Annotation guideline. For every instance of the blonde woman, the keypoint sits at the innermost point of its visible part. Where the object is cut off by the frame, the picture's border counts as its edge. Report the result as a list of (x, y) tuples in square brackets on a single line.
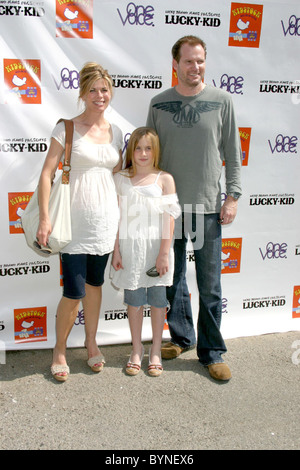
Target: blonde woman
[(96, 155), (143, 255)]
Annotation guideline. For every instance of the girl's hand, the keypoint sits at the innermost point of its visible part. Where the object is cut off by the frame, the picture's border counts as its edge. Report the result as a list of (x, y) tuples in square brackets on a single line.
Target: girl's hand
[(162, 264)]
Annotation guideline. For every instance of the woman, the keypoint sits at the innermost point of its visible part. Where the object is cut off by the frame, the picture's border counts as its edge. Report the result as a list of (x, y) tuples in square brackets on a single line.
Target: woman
[(96, 155)]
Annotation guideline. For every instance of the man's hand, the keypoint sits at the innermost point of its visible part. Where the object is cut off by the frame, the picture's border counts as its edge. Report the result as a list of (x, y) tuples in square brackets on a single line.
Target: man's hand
[(228, 210)]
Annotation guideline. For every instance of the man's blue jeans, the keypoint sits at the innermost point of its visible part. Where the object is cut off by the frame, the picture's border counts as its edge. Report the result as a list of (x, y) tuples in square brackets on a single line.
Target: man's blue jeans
[(210, 344)]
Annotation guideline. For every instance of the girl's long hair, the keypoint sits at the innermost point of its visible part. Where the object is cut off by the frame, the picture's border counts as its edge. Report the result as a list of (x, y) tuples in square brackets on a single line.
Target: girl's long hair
[(135, 137)]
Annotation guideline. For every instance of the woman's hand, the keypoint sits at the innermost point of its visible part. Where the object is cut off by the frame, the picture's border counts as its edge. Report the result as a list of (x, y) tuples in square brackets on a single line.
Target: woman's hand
[(117, 260), (43, 232)]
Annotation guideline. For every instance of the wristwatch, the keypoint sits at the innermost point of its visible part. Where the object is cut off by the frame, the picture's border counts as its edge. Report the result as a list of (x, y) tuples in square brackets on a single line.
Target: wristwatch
[(234, 195)]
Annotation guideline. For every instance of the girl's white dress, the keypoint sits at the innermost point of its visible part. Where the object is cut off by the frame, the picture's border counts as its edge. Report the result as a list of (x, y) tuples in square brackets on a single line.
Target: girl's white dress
[(94, 202), (141, 212)]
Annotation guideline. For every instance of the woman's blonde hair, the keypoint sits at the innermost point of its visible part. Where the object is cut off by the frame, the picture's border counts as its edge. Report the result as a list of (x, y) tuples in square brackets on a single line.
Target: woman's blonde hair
[(135, 137), (91, 72)]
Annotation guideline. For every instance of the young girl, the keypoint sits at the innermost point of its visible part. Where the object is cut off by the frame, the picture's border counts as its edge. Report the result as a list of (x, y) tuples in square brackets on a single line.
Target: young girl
[(148, 207)]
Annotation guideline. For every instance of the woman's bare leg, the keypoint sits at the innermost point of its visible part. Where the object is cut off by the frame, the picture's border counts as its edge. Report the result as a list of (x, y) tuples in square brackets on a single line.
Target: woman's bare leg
[(67, 311), (91, 306)]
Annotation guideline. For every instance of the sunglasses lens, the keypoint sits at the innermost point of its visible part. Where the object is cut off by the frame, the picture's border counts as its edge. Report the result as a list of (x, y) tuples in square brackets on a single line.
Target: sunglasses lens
[(152, 272), (43, 249)]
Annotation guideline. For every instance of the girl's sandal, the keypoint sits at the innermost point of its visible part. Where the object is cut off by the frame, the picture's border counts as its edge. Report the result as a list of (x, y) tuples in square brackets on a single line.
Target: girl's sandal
[(154, 370), (60, 372), (133, 368), (96, 363)]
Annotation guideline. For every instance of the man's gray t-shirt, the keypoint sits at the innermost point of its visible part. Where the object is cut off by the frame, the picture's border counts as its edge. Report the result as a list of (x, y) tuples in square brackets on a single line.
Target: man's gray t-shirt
[(196, 133)]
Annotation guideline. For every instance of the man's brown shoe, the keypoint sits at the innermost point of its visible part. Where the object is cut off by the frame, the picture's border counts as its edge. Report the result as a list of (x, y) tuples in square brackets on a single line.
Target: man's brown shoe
[(219, 371), (170, 350)]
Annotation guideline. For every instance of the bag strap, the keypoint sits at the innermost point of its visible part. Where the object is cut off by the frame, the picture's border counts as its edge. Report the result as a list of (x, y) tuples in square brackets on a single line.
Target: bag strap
[(69, 125)]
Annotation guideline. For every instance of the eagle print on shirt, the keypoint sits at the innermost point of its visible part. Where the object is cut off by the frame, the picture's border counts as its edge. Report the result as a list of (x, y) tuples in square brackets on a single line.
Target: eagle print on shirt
[(187, 115)]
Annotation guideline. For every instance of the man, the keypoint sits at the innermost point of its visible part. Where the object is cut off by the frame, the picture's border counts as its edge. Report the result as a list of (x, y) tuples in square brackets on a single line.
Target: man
[(197, 128)]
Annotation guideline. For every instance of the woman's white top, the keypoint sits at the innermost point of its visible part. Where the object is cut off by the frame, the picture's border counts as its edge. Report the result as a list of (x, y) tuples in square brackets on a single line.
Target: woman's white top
[(142, 209), (94, 202)]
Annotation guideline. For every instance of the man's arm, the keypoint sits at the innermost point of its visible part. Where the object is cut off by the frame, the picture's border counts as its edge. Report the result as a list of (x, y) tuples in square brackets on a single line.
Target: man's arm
[(233, 163)]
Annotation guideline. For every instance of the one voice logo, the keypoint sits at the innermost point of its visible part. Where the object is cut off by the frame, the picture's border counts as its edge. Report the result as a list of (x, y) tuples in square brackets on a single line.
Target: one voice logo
[(274, 251), (284, 144), (292, 27), (137, 15)]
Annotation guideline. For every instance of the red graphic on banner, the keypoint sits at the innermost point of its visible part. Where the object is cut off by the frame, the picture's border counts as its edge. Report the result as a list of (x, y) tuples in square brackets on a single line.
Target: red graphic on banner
[(30, 324), (74, 19), (245, 135), (231, 255), (174, 77), (22, 80), (296, 302), (245, 25), (166, 326), (17, 203), (61, 277)]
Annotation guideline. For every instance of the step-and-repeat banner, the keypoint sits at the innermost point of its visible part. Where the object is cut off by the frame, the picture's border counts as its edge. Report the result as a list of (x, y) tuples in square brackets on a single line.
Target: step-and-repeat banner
[(253, 54)]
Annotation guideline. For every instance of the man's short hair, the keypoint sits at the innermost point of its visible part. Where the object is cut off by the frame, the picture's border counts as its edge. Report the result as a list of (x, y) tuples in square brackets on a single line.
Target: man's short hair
[(191, 40)]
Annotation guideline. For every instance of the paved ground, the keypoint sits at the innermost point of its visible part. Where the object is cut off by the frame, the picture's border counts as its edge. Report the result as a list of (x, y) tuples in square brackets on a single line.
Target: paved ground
[(182, 410)]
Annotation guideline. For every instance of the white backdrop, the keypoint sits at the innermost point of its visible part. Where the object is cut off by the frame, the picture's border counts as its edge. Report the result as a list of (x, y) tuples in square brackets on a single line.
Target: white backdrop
[(253, 53)]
